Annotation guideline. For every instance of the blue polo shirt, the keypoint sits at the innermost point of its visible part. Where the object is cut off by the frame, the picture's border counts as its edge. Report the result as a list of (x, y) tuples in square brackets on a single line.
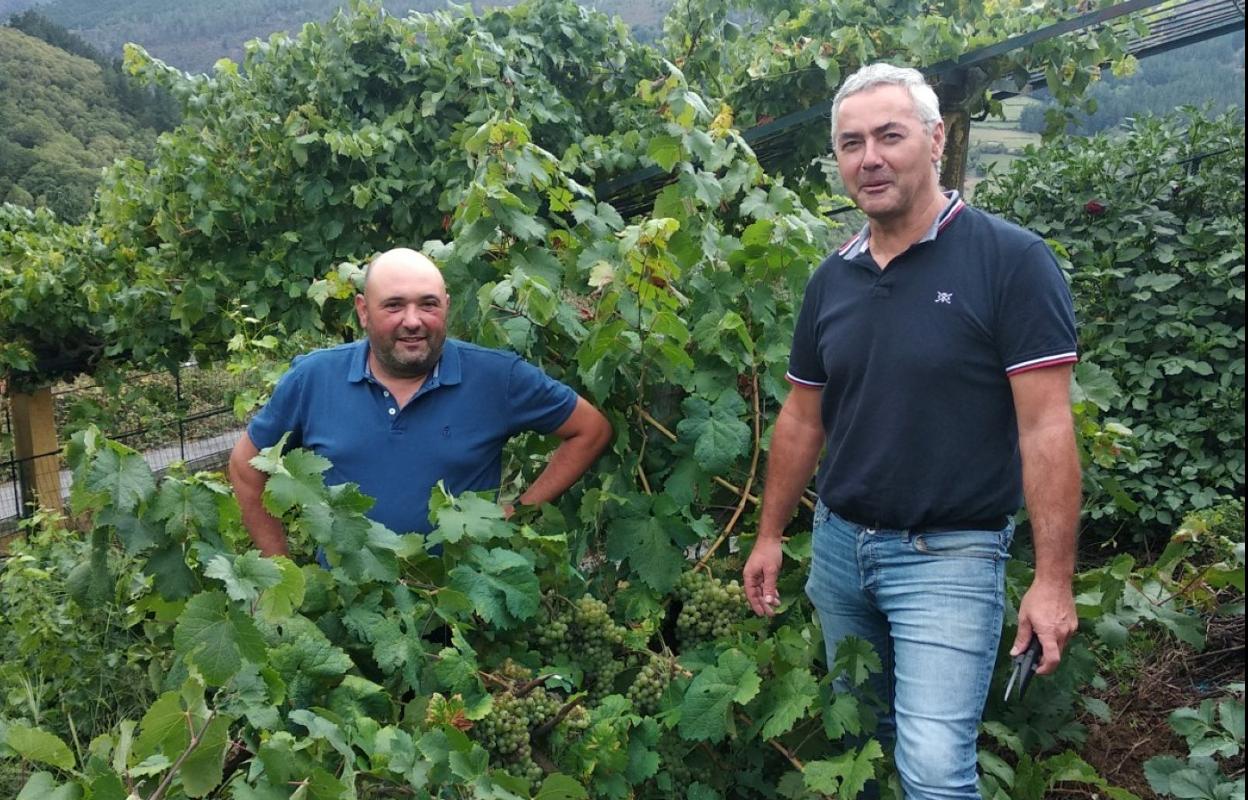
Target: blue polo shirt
[(453, 429), (914, 363)]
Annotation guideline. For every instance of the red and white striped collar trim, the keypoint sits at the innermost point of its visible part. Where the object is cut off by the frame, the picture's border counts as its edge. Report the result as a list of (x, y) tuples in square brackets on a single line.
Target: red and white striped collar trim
[(858, 245)]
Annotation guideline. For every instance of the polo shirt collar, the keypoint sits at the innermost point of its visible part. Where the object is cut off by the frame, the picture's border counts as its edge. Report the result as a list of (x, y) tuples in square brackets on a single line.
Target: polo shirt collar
[(858, 245), (447, 372)]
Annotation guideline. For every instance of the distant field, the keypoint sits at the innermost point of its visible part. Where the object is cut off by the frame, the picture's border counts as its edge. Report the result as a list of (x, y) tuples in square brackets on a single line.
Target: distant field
[(1005, 132), (1011, 138), (996, 134)]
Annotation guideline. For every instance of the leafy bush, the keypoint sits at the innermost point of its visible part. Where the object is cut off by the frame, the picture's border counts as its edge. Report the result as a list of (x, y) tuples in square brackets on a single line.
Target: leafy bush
[(165, 655), (1212, 731), (1150, 225)]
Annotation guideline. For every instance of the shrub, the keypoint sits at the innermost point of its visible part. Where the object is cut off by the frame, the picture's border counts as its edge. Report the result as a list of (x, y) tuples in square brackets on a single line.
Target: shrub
[(1150, 226)]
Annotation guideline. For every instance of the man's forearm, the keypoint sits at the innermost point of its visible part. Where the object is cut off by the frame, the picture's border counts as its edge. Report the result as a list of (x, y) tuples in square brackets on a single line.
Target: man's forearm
[(1053, 492), (794, 454), (584, 436), (570, 460), (266, 531)]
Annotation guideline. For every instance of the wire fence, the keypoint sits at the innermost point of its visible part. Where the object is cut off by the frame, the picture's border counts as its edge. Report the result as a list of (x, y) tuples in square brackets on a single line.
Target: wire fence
[(186, 416)]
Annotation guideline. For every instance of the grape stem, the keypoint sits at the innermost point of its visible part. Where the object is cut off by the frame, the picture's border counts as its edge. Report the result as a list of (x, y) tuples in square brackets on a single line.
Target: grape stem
[(549, 725), (661, 428), (781, 749)]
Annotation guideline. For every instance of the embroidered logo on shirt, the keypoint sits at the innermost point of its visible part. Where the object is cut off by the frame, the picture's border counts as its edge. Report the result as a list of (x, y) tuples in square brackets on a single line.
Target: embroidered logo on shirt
[(945, 297)]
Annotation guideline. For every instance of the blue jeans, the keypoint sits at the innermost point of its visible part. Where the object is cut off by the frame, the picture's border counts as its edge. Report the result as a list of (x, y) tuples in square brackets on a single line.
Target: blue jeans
[(931, 605)]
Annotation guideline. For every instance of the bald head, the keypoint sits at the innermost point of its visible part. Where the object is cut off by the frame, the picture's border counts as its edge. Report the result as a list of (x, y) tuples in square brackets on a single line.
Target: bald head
[(403, 310), (399, 263)]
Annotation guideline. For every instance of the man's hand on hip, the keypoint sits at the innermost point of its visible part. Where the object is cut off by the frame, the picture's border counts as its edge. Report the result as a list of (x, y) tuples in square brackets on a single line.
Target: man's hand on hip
[(1048, 610), (761, 570)]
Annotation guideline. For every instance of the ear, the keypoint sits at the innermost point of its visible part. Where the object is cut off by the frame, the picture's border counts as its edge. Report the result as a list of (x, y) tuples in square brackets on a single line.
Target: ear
[(938, 141), (361, 310)]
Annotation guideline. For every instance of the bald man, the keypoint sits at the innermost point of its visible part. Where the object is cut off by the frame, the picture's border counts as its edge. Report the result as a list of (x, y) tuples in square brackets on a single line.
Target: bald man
[(406, 407)]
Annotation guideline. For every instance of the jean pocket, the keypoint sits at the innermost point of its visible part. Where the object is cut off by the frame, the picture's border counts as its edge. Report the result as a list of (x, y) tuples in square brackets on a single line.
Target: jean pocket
[(993, 545)]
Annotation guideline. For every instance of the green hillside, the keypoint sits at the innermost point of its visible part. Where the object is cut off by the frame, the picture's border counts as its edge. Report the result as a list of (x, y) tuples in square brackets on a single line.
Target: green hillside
[(60, 124), (193, 35)]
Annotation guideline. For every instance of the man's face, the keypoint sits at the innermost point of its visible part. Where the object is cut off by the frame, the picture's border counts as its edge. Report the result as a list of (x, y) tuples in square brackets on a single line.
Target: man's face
[(885, 156), (403, 310)]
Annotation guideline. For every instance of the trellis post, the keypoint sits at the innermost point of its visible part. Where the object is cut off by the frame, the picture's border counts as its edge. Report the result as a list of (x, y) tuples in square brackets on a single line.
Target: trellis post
[(957, 147), (36, 447)]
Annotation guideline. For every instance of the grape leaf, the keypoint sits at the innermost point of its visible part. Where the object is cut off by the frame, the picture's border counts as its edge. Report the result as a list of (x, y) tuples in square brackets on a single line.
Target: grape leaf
[(560, 787), (283, 492), (358, 697), (172, 578), (718, 433), (163, 728), (216, 638), (108, 786), (307, 661), (395, 748), (36, 744), (704, 714), (846, 774), (122, 475), (374, 559), (700, 791), (787, 700), (856, 660), (43, 786), (841, 715), (643, 761), (665, 151), (282, 598), (321, 728), (185, 507), (244, 576), (647, 546), (469, 516), (201, 772), (503, 585), (136, 532)]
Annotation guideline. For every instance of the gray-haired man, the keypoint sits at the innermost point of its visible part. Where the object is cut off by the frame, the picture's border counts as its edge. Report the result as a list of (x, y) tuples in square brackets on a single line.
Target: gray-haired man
[(931, 364)]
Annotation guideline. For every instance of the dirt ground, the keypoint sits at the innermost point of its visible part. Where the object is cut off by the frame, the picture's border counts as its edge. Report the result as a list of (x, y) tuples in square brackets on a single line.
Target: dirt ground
[(1173, 677)]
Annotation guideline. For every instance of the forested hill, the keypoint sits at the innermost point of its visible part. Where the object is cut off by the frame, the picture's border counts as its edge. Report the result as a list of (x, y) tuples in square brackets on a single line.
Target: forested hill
[(1209, 72), (193, 34), (60, 123)]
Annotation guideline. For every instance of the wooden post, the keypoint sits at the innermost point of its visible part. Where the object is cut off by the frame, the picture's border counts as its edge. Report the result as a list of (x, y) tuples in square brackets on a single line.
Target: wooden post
[(957, 148), (34, 438)]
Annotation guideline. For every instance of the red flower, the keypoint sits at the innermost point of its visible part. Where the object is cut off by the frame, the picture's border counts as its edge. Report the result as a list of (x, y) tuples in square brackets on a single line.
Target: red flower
[(1094, 207)]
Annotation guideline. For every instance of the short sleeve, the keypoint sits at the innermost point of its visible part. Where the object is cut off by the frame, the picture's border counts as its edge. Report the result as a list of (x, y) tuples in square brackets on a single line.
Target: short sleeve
[(1035, 321), (536, 401), (805, 366), (281, 413)]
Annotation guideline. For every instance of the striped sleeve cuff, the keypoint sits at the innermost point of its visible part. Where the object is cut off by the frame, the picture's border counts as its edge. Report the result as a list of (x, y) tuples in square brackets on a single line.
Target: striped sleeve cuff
[(1041, 363), (796, 381)]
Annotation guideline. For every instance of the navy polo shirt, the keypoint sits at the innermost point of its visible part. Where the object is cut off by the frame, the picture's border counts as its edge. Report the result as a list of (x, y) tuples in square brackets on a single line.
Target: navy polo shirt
[(453, 429), (914, 363)]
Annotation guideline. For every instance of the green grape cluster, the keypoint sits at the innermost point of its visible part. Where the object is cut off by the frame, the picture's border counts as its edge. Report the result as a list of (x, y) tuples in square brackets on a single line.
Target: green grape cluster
[(710, 608), (681, 764), (649, 685), (526, 768), (586, 634), (542, 706), (575, 722), (507, 731)]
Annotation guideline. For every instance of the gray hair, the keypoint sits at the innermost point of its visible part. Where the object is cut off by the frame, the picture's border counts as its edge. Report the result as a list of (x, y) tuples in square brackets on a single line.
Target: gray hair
[(926, 105)]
